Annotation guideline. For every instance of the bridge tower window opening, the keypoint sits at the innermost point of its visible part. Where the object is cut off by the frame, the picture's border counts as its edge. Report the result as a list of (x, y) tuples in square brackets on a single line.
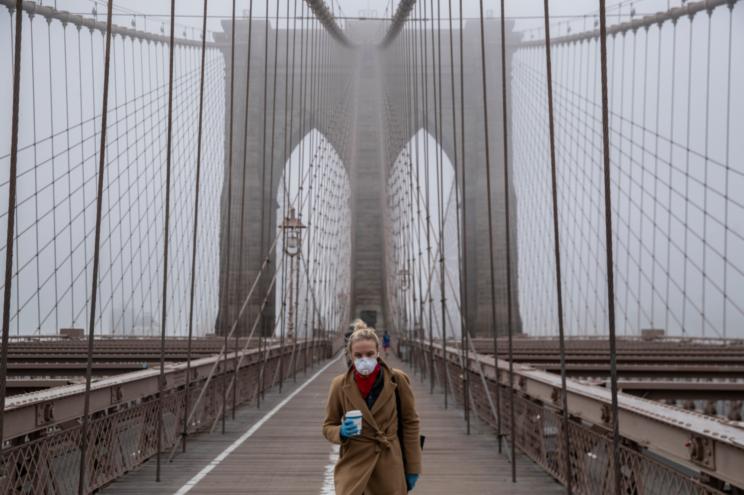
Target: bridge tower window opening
[(414, 169), (315, 184)]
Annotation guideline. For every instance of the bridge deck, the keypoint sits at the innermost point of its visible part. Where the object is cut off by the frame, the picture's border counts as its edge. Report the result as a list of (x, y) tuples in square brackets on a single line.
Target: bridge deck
[(287, 454)]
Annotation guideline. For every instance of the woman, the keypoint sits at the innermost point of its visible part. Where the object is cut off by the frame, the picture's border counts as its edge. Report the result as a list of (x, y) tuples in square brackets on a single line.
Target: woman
[(379, 460)]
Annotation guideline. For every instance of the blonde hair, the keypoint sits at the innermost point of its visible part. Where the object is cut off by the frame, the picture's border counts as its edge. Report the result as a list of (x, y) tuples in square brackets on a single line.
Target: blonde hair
[(362, 332)]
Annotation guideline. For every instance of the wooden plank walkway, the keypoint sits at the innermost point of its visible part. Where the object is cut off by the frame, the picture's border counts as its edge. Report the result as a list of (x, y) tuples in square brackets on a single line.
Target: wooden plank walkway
[(286, 453)]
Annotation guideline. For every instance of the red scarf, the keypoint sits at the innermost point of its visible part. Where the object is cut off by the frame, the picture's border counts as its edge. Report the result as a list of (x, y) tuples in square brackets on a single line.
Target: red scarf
[(365, 383)]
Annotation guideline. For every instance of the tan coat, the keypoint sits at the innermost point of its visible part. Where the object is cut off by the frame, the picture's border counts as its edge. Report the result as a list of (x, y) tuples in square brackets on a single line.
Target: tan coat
[(372, 463)]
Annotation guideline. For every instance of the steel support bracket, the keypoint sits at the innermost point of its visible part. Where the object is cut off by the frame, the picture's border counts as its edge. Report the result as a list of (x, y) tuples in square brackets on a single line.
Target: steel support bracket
[(702, 451), (44, 413)]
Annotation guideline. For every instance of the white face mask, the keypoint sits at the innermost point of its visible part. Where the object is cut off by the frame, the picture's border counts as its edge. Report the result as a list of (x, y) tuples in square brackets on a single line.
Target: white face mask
[(365, 365)]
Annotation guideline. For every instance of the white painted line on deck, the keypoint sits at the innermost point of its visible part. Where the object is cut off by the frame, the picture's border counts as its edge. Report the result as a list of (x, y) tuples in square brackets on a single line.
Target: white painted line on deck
[(329, 487), (245, 436)]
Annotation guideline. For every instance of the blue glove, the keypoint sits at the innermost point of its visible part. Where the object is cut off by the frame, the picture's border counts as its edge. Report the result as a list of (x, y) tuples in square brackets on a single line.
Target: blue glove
[(411, 480), (348, 429)]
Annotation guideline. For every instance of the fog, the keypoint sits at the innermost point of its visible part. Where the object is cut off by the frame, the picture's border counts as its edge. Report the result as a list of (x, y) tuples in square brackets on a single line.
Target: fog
[(677, 152)]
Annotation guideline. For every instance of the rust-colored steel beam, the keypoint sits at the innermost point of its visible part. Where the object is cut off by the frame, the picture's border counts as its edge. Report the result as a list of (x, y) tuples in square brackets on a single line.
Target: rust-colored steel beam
[(683, 390), (654, 371)]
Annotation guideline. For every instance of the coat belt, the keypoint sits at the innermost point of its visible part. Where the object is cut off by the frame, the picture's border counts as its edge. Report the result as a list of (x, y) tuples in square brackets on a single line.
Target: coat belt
[(383, 441)]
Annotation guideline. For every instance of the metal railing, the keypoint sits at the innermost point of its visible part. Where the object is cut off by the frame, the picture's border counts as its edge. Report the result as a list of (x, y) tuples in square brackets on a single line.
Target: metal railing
[(664, 449), (42, 430)]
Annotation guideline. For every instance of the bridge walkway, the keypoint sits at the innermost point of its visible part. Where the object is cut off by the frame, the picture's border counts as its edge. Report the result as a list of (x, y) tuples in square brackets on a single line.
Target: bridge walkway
[(279, 450)]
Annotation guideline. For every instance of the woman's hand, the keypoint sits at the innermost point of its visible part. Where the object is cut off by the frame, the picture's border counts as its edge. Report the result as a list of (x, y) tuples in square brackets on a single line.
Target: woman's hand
[(411, 480), (348, 429)]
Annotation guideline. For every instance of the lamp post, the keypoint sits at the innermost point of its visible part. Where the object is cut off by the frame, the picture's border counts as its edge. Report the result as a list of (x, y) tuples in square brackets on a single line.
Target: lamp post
[(405, 284), (292, 227)]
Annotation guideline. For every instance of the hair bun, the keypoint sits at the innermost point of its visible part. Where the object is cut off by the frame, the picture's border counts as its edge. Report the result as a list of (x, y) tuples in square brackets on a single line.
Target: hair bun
[(359, 324)]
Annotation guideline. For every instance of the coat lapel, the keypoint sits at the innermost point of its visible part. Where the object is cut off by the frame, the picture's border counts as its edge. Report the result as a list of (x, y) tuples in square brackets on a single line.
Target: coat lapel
[(352, 392), (388, 390)]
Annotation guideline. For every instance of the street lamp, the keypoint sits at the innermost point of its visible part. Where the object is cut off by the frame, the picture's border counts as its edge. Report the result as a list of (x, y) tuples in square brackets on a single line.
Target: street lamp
[(292, 227), (405, 279), (405, 283)]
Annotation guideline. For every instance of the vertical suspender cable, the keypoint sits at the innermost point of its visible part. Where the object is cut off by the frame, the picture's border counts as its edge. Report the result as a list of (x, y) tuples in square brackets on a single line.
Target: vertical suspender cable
[(242, 198), (608, 246), (407, 240), (727, 155), (487, 145), (287, 151), (166, 230), (302, 146), (12, 179), (54, 181), (412, 231), (194, 240), (556, 233), (263, 189), (415, 222), (463, 286), (440, 198), (507, 237), (427, 220), (454, 168), (96, 253), (423, 361), (228, 224), (271, 163), (315, 91)]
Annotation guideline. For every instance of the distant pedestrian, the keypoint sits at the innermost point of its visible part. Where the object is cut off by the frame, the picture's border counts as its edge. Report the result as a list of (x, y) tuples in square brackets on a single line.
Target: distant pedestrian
[(386, 343), (380, 453)]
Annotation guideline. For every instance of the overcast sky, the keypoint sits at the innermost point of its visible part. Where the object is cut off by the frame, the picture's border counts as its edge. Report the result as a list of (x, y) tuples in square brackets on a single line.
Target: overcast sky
[(577, 15)]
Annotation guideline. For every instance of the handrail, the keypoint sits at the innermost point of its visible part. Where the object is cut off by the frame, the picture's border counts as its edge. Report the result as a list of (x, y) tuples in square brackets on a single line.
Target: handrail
[(28, 413), (670, 432)]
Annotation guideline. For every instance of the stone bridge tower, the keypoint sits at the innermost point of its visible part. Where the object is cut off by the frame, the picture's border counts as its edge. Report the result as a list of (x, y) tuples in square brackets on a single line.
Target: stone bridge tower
[(359, 108)]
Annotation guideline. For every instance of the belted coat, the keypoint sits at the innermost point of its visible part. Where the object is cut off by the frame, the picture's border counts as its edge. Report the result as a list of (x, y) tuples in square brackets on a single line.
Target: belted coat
[(372, 463)]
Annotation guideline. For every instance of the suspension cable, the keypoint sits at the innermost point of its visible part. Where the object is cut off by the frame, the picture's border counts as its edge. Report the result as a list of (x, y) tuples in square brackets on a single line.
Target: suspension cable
[(246, 112), (557, 248), (9, 244), (82, 485), (507, 217), (608, 246), (166, 237), (225, 289), (194, 239), (464, 270)]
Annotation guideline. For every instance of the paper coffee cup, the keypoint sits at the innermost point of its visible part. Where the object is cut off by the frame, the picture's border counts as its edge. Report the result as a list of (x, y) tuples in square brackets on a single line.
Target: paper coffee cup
[(356, 416)]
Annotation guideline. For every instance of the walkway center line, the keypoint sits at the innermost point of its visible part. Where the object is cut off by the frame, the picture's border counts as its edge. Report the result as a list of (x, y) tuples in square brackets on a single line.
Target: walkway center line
[(245, 436)]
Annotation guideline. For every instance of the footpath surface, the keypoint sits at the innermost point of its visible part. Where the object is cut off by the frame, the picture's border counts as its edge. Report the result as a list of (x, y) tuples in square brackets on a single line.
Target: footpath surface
[(279, 449)]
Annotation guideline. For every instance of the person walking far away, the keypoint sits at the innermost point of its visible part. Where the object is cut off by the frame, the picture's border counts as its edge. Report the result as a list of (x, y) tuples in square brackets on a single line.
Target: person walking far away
[(386, 343), (371, 413)]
